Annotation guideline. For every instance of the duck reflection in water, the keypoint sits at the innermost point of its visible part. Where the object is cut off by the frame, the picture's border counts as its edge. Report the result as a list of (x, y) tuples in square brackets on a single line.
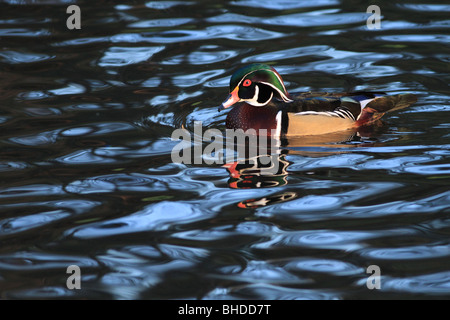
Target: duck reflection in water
[(262, 171), (258, 172), (267, 169)]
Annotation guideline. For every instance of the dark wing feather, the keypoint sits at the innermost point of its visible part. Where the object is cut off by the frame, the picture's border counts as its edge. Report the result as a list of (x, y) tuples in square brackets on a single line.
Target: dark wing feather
[(392, 103)]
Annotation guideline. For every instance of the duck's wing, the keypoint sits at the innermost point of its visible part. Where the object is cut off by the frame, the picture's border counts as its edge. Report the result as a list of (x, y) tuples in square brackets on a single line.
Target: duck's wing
[(342, 105), (319, 113), (376, 108), (348, 105)]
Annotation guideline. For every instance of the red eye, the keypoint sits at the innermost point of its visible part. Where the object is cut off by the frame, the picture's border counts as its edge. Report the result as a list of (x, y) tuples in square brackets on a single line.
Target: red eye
[(247, 82)]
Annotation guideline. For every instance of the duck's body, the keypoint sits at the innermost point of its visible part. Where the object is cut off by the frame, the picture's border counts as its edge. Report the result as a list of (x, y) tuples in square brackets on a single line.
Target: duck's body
[(303, 114)]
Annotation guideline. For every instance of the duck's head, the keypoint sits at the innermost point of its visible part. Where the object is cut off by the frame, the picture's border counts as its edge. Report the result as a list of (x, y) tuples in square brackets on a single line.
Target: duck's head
[(256, 84)]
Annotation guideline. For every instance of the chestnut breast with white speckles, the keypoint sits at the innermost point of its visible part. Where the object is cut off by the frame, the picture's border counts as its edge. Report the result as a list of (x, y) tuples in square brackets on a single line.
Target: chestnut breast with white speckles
[(246, 117)]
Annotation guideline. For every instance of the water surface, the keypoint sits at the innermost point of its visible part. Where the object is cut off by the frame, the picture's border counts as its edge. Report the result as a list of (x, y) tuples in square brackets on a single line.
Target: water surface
[(87, 179)]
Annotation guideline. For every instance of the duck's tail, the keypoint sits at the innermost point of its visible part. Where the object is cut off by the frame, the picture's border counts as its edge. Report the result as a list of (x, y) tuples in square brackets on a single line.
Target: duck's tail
[(377, 107)]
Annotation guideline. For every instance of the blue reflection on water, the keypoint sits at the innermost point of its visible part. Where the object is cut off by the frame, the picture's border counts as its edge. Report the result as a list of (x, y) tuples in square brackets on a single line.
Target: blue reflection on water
[(87, 176)]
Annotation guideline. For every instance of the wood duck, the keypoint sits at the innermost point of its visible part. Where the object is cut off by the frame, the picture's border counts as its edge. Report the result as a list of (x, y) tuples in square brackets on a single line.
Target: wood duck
[(266, 104)]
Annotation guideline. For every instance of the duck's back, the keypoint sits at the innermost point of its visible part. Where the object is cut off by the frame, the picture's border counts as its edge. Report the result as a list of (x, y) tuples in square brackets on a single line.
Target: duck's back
[(321, 113)]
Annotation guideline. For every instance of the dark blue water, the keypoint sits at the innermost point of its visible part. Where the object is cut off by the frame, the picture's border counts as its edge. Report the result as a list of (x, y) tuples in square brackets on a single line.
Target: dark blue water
[(87, 178)]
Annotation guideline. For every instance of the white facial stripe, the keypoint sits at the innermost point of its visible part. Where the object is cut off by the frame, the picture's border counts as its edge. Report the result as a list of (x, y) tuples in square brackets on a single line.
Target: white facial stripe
[(254, 101), (283, 96), (255, 97)]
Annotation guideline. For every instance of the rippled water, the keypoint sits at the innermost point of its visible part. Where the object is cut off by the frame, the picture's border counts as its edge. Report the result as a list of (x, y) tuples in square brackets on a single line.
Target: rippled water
[(87, 179)]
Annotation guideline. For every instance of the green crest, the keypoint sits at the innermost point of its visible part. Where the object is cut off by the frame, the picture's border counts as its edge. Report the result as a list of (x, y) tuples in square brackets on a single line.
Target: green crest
[(260, 73)]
